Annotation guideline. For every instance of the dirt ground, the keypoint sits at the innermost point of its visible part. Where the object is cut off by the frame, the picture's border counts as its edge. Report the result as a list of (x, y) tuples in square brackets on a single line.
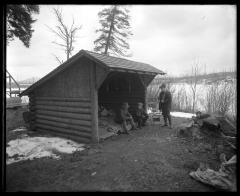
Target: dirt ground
[(150, 159)]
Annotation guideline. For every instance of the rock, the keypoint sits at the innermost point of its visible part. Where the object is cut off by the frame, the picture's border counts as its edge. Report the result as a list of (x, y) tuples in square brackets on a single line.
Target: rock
[(227, 126), (189, 130), (196, 133), (212, 123), (183, 130), (203, 147)]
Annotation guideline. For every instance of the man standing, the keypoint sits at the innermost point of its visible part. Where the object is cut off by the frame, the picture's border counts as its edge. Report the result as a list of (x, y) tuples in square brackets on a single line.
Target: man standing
[(165, 101)]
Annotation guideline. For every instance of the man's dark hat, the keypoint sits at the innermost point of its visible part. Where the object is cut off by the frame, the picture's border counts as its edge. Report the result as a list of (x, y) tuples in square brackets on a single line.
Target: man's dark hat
[(163, 85)]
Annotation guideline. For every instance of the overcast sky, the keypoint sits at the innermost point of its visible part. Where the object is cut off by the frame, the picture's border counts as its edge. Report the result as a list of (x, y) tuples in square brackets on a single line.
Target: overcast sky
[(169, 37)]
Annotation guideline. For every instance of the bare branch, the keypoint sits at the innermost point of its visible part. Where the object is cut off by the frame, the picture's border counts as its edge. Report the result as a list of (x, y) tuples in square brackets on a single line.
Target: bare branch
[(59, 61), (67, 35), (59, 44)]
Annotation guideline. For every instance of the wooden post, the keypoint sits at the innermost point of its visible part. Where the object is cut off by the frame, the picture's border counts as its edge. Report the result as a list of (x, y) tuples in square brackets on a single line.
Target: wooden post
[(10, 87), (145, 92), (145, 98), (94, 102)]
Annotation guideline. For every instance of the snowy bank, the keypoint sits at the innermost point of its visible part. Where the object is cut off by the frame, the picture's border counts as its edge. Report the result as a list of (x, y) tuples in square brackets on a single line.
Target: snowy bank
[(182, 114), (29, 148)]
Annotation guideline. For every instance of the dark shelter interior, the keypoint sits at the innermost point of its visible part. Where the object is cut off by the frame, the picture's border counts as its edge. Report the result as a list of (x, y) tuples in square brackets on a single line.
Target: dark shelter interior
[(121, 87)]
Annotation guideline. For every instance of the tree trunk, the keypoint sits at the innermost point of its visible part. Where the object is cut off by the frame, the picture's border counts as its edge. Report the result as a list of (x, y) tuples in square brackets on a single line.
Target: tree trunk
[(110, 31), (67, 49)]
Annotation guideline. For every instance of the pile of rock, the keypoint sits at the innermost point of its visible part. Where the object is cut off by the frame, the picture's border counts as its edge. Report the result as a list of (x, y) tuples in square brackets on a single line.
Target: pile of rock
[(213, 127), (210, 125)]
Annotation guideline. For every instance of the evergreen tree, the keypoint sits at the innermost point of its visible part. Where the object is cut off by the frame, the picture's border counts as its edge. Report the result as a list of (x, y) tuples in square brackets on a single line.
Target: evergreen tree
[(19, 22), (114, 31)]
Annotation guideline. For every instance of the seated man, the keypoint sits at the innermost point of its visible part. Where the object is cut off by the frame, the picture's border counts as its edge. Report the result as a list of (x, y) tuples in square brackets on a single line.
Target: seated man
[(141, 115), (124, 116)]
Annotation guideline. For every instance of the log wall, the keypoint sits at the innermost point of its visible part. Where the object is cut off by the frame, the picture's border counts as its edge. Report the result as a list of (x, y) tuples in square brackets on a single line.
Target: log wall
[(63, 106), (71, 82), (66, 117)]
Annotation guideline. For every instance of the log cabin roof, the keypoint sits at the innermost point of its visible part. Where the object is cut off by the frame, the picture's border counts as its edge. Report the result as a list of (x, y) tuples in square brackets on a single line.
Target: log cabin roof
[(120, 63), (109, 62)]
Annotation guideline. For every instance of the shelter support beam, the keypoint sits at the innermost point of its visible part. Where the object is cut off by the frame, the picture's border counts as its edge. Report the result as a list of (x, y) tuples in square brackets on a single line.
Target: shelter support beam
[(94, 102)]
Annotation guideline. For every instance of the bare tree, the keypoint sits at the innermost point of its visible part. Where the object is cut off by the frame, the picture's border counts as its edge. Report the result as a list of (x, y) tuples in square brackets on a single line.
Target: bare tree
[(66, 34), (193, 83), (220, 98)]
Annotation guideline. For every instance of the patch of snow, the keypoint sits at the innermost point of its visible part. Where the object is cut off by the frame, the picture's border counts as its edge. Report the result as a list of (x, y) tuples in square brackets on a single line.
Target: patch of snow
[(182, 114), (29, 148), (19, 129)]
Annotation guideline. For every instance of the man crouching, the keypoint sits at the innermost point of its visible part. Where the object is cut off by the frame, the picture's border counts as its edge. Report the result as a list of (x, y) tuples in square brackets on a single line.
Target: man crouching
[(141, 115), (124, 117)]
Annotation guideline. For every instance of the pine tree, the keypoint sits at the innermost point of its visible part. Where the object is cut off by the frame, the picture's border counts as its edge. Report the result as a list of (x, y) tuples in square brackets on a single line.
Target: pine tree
[(19, 22), (115, 30)]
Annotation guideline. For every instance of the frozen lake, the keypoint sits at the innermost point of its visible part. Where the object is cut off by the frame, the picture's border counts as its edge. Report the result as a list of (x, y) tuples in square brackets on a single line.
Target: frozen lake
[(180, 90), (23, 98)]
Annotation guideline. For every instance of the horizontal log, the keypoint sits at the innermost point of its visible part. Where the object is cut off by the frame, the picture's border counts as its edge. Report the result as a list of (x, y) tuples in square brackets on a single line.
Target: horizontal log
[(106, 96), (120, 102), (121, 97), (86, 123), (73, 116), (65, 104), (64, 125), (70, 99), (63, 109), (63, 131), (65, 136)]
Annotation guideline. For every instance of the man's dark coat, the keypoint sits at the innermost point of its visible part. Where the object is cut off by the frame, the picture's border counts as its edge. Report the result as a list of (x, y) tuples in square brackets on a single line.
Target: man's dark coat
[(166, 105)]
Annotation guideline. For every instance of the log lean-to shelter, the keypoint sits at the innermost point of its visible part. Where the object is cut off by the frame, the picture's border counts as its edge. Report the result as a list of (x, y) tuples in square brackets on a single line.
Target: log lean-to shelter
[(65, 102)]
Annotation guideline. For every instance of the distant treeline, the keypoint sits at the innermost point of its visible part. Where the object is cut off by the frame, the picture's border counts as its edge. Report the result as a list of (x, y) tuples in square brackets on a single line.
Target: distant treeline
[(209, 78), (24, 83), (21, 85)]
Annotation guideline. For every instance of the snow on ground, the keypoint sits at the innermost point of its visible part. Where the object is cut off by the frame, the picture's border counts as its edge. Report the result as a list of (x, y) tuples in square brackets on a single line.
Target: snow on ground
[(19, 129), (182, 114), (175, 114), (29, 148)]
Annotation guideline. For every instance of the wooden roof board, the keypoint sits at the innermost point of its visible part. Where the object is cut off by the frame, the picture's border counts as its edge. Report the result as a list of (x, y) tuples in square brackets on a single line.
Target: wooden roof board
[(109, 62), (116, 62)]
